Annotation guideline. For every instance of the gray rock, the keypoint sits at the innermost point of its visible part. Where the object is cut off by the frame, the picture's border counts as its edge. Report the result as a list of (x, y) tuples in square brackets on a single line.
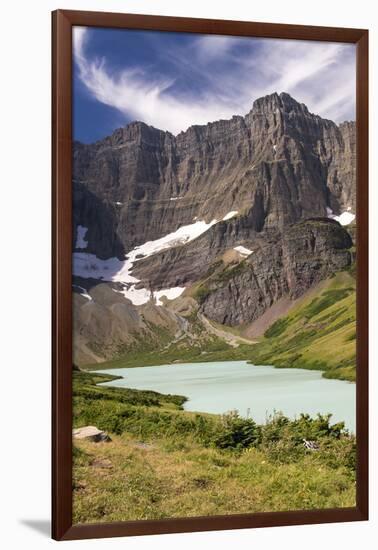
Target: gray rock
[(288, 265), (90, 433)]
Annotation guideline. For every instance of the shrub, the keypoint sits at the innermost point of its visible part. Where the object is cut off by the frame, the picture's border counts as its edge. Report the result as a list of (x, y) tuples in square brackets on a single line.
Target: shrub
[(236, 432), (304, 427)]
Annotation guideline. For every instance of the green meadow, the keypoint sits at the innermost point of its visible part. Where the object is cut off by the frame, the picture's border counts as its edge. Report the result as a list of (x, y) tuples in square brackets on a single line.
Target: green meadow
[(165, 462)]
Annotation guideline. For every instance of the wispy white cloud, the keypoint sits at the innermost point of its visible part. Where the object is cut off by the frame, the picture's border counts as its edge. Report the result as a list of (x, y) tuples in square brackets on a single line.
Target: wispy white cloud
[(231, 73), (211, 47)]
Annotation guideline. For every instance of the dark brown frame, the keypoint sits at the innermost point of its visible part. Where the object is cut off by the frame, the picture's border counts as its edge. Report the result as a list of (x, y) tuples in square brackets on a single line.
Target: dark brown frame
[(62, 22)]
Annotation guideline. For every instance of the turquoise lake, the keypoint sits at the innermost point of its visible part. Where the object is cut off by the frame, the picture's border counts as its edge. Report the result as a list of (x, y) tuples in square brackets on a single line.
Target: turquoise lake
[(255, 391)]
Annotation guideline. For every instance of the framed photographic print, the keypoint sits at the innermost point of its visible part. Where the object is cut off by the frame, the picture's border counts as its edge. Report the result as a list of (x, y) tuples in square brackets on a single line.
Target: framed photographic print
[(210, 305)]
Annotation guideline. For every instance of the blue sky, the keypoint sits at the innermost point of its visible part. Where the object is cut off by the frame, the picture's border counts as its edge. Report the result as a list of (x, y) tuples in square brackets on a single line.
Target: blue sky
[(174, 80)]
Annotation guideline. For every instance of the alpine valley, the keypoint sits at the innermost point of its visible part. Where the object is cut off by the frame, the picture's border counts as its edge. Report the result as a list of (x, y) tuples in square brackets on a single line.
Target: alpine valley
[(233, 240), (209, 258)]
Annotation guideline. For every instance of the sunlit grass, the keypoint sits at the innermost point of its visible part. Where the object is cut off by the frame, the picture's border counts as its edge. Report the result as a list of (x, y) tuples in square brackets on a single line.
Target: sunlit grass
[(318, 333), (165, 462)]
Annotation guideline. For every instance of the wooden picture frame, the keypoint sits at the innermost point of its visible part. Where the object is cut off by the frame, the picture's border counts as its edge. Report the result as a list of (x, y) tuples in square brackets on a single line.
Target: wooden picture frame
[(62, 23)]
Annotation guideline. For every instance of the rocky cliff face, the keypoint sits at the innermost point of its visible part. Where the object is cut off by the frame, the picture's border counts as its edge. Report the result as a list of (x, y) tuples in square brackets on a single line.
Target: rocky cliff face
[(279, 162), (286, 265)]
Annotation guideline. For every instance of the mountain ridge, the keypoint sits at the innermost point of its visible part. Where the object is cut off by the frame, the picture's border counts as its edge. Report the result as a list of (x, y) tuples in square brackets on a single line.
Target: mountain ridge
[(255, 103), (250, 181), (294, 164)]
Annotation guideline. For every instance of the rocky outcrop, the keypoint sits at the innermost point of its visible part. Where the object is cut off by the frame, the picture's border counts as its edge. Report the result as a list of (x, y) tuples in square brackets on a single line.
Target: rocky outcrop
[(183, 265), (312, 251), (90, 433), (280, 162), (307, 253)]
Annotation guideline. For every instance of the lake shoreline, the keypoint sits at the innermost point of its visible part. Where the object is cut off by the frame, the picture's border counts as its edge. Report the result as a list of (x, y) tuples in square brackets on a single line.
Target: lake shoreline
[(110, 365), (259, 392)]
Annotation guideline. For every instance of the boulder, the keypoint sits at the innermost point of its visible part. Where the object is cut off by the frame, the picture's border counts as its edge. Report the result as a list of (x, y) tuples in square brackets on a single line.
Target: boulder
[(90, 433)]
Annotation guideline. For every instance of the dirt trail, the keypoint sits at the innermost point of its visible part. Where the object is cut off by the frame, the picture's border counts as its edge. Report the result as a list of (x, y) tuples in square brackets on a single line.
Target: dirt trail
[(228, 337)]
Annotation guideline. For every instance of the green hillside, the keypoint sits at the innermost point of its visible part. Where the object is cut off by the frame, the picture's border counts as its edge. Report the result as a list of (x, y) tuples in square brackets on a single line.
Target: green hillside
[(318, 333), (165, 462)]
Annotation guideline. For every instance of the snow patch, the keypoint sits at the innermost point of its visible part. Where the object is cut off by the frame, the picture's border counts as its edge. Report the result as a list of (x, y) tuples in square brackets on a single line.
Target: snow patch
[(81, 241), (89, 266), (274, 147), (170, 293), (230, 215), (119, 203), (243, 251), (84, 292), (345, 218), (182, 235), (138, 296)]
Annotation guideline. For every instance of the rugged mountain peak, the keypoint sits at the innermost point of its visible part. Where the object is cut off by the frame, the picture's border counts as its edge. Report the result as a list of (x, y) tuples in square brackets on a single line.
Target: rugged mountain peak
[(290, 104), (138, 132), (266, 104), (278, 103), (278, 116)]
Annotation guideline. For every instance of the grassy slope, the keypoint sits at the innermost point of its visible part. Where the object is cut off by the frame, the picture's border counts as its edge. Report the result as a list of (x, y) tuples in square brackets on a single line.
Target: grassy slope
[(165, 462), (319, 333)]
